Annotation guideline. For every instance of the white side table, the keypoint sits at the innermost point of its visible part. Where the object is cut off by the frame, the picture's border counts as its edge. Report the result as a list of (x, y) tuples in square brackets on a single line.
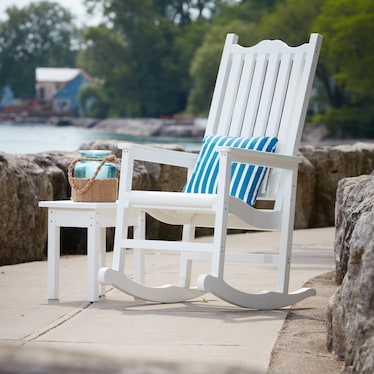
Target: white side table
[(96, 217)]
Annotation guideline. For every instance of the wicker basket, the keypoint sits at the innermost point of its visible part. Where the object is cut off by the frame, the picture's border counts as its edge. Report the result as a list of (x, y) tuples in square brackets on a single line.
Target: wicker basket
[(93, 190)]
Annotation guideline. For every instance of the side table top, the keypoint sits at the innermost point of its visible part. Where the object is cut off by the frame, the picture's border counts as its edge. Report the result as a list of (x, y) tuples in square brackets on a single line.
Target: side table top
[(69, 204)]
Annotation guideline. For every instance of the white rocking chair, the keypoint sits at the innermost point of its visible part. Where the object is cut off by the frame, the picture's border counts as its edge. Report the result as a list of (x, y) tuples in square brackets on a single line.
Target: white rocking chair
[(260, 98)]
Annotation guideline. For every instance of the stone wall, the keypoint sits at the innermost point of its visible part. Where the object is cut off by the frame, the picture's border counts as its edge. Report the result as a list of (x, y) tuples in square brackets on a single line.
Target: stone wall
[(24, 180), (330, 165), (27, 179), (351, 309)]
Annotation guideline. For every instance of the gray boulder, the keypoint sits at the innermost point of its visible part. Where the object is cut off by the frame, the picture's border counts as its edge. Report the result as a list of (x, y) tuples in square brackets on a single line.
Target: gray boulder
[(350, 311), (331, 165), (305, 209), (354, 196), (22, 184)]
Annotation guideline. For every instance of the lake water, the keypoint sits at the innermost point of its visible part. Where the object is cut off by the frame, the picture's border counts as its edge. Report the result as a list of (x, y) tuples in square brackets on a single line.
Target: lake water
[(34, 138)]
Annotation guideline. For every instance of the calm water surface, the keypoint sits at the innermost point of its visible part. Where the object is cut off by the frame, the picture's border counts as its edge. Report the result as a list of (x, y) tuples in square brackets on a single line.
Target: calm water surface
[(34, 138)]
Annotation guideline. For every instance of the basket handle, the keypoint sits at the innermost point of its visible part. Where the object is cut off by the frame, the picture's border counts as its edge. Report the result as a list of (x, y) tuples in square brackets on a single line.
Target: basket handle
[(87, 186)]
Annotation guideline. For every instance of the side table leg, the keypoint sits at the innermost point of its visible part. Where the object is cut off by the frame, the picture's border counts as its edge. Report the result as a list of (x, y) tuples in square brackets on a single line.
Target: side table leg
[(53, 256), (102, 252), (94, 241)]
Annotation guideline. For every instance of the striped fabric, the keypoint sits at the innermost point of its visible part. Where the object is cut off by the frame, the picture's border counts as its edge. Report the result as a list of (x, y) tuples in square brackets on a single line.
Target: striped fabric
[(245, 179)]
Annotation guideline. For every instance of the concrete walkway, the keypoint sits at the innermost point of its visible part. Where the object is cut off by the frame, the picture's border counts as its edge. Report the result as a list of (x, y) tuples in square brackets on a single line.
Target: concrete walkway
[(200, 336)]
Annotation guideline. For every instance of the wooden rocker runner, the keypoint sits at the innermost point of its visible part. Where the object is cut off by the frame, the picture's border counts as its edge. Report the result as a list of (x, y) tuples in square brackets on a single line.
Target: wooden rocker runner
[(249, 152)]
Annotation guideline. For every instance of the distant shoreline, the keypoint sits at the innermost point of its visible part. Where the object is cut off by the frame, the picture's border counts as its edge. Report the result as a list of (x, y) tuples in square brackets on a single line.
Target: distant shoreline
[(21, 118), (165, 127), (125, 126)]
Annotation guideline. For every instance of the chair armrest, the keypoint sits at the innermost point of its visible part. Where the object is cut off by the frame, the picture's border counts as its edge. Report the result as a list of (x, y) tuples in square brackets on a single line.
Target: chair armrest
[(158, 155), (261, 158)]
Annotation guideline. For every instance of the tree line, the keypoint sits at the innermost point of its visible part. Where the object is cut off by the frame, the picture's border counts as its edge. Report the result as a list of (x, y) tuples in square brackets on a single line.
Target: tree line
[(154, 58)]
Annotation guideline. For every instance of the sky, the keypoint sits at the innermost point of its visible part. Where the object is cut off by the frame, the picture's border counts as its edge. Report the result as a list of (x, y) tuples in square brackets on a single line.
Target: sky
[(76, 7)]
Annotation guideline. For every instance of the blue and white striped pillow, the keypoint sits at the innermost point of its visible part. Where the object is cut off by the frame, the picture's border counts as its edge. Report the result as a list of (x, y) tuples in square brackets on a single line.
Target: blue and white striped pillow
[(246, 179)]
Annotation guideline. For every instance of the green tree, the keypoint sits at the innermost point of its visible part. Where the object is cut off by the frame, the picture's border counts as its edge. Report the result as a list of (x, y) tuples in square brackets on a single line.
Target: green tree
[(41, 34), (240, 18), (184, 12), (344, 75), (204, 66), (290, 20), (293, 21), (133, 67), (102, 57), (348, 50), (142, 54), (348, 28), (93, 101), (344, 83)]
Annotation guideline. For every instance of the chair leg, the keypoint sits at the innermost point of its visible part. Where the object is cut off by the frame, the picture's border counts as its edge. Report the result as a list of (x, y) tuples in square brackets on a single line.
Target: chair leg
[(219, 242), (122, 227), (186, 261), (284, 264), (286, 234)]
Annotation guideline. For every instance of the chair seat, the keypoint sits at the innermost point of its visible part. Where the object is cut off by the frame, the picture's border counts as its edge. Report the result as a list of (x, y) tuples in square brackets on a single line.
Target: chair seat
[(198, 209), (172, 200)]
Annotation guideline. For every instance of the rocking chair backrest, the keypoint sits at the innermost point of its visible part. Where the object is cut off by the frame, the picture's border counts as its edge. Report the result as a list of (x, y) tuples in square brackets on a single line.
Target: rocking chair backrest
[(264, 90)]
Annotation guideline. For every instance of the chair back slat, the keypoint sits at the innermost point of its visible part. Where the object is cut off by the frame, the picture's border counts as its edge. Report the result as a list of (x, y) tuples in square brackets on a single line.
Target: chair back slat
[(279, 94), (220, 87), (241, 102), (288, 129), (267, 94), (254, 96), (231, 91)]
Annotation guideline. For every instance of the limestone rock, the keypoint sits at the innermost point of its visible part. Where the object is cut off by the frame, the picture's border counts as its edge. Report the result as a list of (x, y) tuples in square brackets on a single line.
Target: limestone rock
[(331, 165), (354, 196), (130, 126), (55, 165), (23, 226), (305, 194), (154, 127), (350, 310)]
